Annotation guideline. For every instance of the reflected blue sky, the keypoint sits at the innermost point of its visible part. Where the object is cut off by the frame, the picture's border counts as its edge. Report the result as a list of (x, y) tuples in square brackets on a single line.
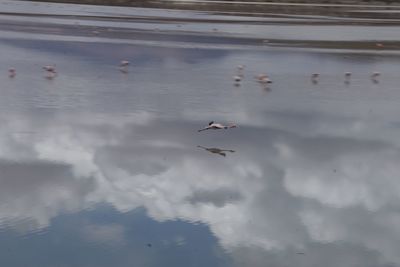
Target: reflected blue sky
[(101, 168), (103, 236)]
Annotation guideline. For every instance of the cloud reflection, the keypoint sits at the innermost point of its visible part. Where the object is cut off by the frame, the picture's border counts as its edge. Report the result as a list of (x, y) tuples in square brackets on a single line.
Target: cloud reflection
[(288, 192)]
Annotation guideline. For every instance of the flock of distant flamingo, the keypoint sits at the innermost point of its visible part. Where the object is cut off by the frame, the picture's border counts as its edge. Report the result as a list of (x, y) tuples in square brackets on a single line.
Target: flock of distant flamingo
[(263, 78), (347, 76), (50, 72)]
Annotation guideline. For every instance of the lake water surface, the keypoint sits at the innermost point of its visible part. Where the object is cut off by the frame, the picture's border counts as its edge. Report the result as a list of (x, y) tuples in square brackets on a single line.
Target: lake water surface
[(104, 168)]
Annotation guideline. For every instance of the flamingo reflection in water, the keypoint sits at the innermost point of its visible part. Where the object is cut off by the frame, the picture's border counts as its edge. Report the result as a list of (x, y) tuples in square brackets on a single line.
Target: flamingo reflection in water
[(218, 151)]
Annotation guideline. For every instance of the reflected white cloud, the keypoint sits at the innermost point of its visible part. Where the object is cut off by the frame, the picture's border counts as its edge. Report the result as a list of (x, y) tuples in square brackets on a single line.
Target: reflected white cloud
[(287, 192), (38, 191)]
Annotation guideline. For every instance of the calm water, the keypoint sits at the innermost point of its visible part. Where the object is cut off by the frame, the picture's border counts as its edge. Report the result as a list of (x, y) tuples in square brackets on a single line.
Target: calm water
[(104, 168)]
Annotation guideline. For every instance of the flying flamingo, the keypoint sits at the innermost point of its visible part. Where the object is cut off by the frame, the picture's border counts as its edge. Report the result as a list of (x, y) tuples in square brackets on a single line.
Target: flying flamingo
[(217, 126)]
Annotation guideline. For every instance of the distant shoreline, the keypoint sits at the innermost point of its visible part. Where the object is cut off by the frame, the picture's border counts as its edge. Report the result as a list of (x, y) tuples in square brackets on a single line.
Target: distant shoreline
[(385, 9)]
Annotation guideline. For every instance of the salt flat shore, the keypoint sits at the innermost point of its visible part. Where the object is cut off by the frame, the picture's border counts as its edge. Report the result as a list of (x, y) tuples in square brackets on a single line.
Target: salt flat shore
[(388, 9)]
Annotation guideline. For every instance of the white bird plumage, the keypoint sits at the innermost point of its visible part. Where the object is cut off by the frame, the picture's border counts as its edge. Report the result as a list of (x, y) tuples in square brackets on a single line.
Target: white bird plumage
[(237, 78), (123, 66), (124, 63), (263, 78), (217, 126)]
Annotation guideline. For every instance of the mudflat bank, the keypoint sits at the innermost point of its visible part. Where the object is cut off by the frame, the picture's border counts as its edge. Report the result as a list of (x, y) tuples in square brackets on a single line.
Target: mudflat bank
[(388, 9)]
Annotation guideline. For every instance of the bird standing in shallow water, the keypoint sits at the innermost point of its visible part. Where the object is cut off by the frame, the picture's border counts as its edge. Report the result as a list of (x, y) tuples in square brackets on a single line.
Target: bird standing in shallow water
[(124, 63), (123, 66), (217, 126), (240, 69), (239, 75), (374, 76), (237, 78), (50, 72), (263, 78), (347, 76), (12, 72), (50, 68), (314, 78)]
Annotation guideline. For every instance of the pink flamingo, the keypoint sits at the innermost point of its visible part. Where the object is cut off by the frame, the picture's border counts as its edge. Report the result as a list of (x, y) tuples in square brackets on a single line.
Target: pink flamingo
[(50, 68), (263, 78), (217, 126), (124, 63)]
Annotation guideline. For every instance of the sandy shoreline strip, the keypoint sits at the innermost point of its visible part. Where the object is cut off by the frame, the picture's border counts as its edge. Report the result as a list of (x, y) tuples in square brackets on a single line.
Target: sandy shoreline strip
[(388, 9)]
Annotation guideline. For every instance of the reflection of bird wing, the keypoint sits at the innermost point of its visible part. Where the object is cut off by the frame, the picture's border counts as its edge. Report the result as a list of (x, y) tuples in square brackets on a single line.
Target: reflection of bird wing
[(227, 150), (214, 150)]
